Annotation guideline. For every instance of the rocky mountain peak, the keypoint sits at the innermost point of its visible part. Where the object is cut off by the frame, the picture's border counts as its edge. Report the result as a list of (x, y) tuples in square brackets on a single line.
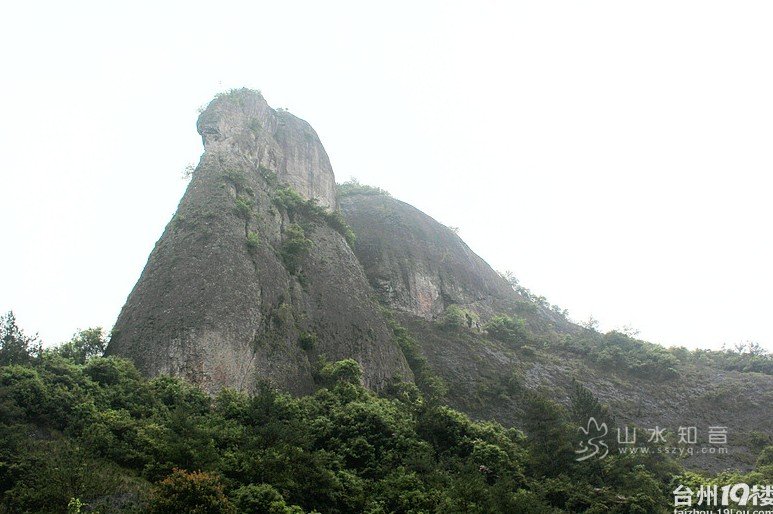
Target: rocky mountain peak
[(240, 124), (250, 282)]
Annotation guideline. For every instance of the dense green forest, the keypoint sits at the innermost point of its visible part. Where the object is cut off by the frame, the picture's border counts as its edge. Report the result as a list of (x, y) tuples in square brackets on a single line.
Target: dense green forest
[(84, 433)]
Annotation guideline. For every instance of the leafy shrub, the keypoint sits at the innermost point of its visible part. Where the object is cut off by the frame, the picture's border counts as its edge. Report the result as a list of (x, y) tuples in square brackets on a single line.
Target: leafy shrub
[(83, 346), (429, 383), (616, 350), (639, 357), (766, 457), (264, 499), (457, 318), (347, 370), (307, 340), (584, 405), (244, 207), (23, 388), (193, 492), (111, 371), (550, 436), (268, 175), (15, 346), (336, 220), (236, 177), (291, 201), (508, 330), (353, 187), (748, 358), (295, 248), (253, 240)]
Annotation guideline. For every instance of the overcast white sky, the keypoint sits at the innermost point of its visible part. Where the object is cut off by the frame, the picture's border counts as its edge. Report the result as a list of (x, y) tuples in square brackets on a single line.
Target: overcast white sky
[(616, 156)]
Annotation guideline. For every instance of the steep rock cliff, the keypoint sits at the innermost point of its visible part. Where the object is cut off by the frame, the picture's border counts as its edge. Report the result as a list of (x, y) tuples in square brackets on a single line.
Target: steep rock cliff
[(242, 125), (242, 287), (251, 282)]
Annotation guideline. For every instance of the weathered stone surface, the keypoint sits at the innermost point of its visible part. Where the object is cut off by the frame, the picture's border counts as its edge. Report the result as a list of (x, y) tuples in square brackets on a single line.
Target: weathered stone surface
[(420, 266), (242, 124), (416, 264), (221, 313)]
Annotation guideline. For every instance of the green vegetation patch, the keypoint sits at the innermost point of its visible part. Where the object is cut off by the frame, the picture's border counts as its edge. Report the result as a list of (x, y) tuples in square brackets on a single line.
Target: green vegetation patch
[(428, 382), (617, 351), (295, 247), (456, 317), (244, 207), (253, 240), (353, 187), (508, 330), (307, 341), (295, 205), (84, 433), (235, 177)]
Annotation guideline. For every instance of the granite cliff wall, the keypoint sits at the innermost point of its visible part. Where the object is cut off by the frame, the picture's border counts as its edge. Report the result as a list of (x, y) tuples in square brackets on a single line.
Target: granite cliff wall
[(218, 303)]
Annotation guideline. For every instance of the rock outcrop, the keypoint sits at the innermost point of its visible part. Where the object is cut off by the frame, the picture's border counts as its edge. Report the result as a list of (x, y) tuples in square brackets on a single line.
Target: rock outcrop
[(241, 124), (416, 264), (255, 279), (419, 266), (243, 288)]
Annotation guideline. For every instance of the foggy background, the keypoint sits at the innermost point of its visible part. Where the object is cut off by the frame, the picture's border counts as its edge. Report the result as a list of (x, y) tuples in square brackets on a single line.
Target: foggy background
[(615, 156)]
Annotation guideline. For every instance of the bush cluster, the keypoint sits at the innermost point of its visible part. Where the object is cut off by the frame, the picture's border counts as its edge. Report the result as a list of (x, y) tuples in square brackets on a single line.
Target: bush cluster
[(615, 350), (89, 433), (509, 330), (295, 248), (353, 187), (296, 206), (455, 317), (748, 358)]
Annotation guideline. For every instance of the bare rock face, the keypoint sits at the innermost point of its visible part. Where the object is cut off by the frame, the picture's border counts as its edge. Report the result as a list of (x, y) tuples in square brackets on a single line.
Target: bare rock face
[(416, 264), (242, 288), (242, 124), (419, 266), (254, 282)]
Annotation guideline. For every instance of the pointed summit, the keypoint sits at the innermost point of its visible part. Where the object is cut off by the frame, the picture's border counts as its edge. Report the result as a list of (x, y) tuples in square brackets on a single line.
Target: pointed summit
[(254, 279), (240, 124)]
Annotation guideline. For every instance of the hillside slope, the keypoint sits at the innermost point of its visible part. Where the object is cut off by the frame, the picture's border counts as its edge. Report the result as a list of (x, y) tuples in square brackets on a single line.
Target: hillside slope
[(266, 273), (419, 268)]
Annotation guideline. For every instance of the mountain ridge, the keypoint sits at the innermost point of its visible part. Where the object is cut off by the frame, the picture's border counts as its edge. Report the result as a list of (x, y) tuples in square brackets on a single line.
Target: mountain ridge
[(264, 274), (251, 280)]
